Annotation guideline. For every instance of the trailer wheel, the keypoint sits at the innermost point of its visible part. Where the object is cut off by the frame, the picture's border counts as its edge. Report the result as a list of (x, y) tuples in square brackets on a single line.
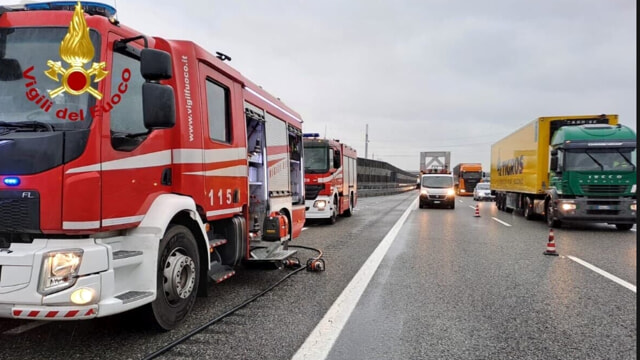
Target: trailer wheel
[(528, 209), (549, 213), (178, 275)]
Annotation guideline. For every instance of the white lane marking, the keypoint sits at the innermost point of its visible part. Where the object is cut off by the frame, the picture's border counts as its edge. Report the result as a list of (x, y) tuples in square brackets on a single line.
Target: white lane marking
[(322, 338), (471, 206), (603, 273), (634, 229), (304, 228), (501, 222), (26, 327)]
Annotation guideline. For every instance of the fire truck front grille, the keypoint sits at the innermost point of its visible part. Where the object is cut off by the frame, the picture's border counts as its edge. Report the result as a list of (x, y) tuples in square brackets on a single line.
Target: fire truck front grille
[(604, 189), (19, 211), (311, 191)]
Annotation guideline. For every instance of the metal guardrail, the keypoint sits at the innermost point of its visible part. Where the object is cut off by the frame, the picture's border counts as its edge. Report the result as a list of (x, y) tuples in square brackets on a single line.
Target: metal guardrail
[(377, 189)]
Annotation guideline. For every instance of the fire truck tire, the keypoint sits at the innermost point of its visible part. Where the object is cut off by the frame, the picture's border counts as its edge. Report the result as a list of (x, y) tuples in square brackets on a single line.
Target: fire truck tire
[(349, 211), (177, 278), (334, 213)]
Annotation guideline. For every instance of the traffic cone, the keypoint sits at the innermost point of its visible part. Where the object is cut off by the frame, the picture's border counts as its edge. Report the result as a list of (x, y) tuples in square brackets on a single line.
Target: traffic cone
[(477, 213), (551, 245)]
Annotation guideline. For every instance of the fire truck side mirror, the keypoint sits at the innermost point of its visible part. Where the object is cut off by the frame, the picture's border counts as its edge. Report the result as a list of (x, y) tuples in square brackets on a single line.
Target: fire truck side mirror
[(159, 107), (155, 65)]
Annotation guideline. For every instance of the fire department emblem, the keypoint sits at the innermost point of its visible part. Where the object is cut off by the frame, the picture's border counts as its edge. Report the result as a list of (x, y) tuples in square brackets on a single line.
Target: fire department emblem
[(77, 50)]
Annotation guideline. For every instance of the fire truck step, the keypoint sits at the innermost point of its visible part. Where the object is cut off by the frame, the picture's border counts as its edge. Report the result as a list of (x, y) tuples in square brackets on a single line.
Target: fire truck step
[(219, 272), (131, 296), (123, 258), (265, 254), (213, 243)]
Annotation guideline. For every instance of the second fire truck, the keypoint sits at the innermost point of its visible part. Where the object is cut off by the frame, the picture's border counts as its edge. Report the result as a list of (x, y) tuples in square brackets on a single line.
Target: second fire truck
[(330, 178)]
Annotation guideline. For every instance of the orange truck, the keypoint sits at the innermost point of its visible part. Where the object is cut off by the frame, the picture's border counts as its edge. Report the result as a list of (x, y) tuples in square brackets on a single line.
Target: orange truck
[(466, 176)]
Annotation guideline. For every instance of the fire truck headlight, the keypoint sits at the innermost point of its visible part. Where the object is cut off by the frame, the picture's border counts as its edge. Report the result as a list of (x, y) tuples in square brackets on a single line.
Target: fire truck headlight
[(633, 207), (59, 270), (568, 206), (320, 204), (82, 296)]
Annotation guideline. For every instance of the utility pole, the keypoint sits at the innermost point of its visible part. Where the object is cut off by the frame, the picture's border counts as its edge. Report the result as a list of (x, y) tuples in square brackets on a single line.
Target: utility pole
[(366, 142)]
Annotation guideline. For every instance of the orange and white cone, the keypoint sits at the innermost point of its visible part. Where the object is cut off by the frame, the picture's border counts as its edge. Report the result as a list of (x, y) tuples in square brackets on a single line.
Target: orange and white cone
[(551, 245), (477, 212)]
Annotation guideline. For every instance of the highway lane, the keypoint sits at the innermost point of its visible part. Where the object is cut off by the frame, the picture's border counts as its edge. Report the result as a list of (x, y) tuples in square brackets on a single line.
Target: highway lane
[(451, 285), (456, 286)]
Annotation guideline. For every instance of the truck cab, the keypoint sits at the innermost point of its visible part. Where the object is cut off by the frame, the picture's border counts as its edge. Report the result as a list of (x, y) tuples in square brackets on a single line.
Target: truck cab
[(437, 190)]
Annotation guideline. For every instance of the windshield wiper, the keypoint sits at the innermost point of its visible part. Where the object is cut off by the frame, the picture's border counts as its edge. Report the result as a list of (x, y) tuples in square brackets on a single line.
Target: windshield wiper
[(594, 160), (34, 125)]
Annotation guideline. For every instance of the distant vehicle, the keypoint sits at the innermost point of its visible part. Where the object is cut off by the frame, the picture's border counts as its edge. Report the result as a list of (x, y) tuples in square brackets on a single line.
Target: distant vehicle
[(482, 191), (568, 169), (466, 176), (330, 178), (437, 190)]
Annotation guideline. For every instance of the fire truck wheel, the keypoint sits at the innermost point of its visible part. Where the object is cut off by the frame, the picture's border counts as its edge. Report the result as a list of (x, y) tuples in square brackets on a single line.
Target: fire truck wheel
[(334, 213), (177, 278), (349, 211)]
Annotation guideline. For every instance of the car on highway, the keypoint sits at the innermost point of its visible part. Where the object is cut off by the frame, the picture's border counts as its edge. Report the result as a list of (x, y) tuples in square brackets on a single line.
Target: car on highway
[(482, 191)]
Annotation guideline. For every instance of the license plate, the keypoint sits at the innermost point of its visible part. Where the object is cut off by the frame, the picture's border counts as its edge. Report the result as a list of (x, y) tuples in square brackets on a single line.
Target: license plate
[(603, 207), (436, 202)]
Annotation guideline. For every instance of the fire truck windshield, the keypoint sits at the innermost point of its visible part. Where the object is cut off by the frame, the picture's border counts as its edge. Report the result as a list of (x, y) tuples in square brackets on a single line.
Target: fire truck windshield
[(30, 61), (316, 159)]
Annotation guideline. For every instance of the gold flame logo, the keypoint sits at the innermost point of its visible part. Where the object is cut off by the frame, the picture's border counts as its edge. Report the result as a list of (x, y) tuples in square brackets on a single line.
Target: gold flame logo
[(77, 50)]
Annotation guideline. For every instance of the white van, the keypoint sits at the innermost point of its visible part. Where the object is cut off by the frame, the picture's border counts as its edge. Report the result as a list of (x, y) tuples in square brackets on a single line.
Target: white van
[(437, 190)]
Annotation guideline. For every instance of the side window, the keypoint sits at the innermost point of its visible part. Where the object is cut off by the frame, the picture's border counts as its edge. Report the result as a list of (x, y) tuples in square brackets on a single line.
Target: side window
[(125, 104), (218, 111)]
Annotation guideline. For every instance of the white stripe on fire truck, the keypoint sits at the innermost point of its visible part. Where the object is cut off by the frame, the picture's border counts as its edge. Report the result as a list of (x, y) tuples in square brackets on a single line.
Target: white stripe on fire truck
[(159, 158), (194, 156), (122, 220), (162, 158), (224, 211), (80, 225), (84, 225), (330, 177), (272, 104), (240, 170)]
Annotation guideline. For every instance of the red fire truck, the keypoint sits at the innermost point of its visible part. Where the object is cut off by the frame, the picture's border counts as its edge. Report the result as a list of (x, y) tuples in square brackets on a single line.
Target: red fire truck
[(330, 178), (133, 169)]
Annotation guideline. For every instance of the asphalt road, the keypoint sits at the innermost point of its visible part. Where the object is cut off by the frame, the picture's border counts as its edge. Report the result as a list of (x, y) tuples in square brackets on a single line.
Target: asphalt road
[(451, 285), (457, 286)]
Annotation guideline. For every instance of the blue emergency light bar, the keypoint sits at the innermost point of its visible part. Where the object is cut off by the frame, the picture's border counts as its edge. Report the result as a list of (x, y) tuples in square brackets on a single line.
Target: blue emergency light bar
[(11, 181), (93, 8), (309, 135)]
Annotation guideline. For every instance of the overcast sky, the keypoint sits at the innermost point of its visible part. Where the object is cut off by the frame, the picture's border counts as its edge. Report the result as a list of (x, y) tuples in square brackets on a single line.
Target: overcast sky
[(424, 75)]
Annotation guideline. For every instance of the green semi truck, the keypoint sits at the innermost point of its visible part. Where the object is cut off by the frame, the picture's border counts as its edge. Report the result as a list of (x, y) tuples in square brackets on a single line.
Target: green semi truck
[(568, 169)]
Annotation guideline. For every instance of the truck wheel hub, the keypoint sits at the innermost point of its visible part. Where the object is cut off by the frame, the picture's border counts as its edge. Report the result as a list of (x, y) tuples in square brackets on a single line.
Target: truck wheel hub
[(179, 276)]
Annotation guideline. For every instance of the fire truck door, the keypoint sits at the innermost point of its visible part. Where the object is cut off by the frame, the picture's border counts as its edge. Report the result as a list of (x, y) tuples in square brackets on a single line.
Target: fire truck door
[(225, 152), (132, 159)]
